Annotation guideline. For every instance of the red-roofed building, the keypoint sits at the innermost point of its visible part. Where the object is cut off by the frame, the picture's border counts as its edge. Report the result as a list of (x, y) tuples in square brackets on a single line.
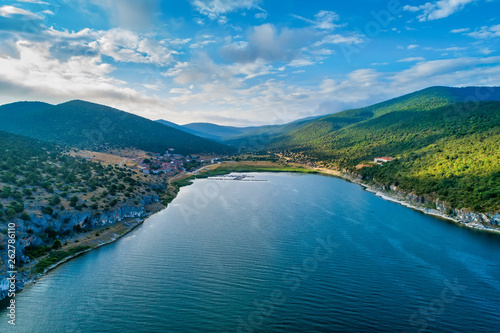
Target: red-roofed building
[(383, 159)]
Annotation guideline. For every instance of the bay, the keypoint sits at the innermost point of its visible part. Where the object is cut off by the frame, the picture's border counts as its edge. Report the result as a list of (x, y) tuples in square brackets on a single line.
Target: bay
[(290, 253)]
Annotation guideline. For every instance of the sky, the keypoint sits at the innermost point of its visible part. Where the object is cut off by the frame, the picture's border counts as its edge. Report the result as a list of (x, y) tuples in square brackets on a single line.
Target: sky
[(242, 62)]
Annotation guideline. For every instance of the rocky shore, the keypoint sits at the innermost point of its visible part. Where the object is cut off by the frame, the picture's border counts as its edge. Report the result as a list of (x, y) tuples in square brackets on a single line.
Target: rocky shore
[(28, 234), (489, 222)]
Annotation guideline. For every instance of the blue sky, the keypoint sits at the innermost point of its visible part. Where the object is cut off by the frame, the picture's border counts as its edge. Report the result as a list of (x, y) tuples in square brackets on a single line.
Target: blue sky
[(242, 62)]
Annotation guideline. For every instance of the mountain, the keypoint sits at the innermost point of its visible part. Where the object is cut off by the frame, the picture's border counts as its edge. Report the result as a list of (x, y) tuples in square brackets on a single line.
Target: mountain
[(238, 136), (218, 132), (325, 129), (261, 137), (25, 108), (187, 130), (445, 141), (92, 126)]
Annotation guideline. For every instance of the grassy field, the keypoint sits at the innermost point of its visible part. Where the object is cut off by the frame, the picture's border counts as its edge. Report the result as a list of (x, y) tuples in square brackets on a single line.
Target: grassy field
[(240, 166), (106, 158)]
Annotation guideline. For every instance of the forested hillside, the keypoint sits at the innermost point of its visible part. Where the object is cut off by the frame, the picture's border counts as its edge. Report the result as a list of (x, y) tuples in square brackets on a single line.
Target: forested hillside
[(98, 127), (53, 197), (443, 147), (319, 132), (39, 178)]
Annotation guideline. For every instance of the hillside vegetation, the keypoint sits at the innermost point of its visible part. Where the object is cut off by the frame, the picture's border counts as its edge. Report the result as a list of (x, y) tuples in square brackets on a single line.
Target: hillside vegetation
[(97, 127), (40, 179), (445, 146)]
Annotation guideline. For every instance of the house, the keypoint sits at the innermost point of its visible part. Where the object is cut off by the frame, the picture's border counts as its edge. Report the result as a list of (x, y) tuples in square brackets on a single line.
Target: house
[(146, 171), (383, 159)]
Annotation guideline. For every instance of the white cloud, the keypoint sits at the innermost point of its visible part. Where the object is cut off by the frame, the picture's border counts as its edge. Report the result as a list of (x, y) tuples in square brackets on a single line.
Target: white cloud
[(34, 1), (455, 49), (435, 69), (323, 20), (459, 31), (411, 47), (130, 14), (43, 77), (201, 44), (127, 46), (198, 21), (216, 9), (340, 39), (267, 43), (412, 59), (179, 41), (251, 69), (322, 52), (183, 91), (261, 16), (438, 9), (297, 63), (486, 32), (10, 11), (200, 70), (120, 44), (486, 51)]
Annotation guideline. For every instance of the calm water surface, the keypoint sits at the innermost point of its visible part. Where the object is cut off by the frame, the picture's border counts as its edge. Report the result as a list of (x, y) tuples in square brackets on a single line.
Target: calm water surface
[(295, 253)]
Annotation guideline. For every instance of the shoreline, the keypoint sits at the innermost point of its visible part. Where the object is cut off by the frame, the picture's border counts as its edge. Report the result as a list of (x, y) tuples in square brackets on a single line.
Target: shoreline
[(477, 226), (431, 212), (31, 280)]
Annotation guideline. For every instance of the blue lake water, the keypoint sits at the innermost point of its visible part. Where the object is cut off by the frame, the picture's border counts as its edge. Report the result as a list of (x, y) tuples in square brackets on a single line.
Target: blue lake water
[(295, 253)]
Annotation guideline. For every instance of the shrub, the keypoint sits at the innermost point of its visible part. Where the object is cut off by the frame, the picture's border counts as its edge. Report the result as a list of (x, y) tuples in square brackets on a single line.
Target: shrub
[(10, 213), (57, 244), (47, 210)]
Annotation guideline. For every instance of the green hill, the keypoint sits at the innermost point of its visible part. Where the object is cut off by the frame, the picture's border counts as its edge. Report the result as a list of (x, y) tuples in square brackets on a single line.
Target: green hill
[(324, 129), (262, 136), (447, 145), (98, 127)]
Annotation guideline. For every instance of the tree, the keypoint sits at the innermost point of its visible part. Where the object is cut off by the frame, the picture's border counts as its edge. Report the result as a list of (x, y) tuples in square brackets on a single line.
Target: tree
[(10, 213), (47, 210), (73, 201), (57, 244), (55, 200), (5, 192)]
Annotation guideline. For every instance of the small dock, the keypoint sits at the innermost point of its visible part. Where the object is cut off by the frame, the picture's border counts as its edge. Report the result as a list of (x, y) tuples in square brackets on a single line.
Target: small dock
[(242, 178)]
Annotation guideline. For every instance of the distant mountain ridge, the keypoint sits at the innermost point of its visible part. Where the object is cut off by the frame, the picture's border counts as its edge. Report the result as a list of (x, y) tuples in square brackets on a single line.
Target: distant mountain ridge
[(93, 126), (235, 136), (219, 131)]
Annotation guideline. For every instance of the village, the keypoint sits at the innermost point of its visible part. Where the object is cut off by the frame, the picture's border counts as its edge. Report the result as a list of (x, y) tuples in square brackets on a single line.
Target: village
[(171, 163)]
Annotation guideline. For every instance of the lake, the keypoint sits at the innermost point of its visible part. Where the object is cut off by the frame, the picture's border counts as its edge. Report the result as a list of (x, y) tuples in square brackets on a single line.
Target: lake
[(290, 253)]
